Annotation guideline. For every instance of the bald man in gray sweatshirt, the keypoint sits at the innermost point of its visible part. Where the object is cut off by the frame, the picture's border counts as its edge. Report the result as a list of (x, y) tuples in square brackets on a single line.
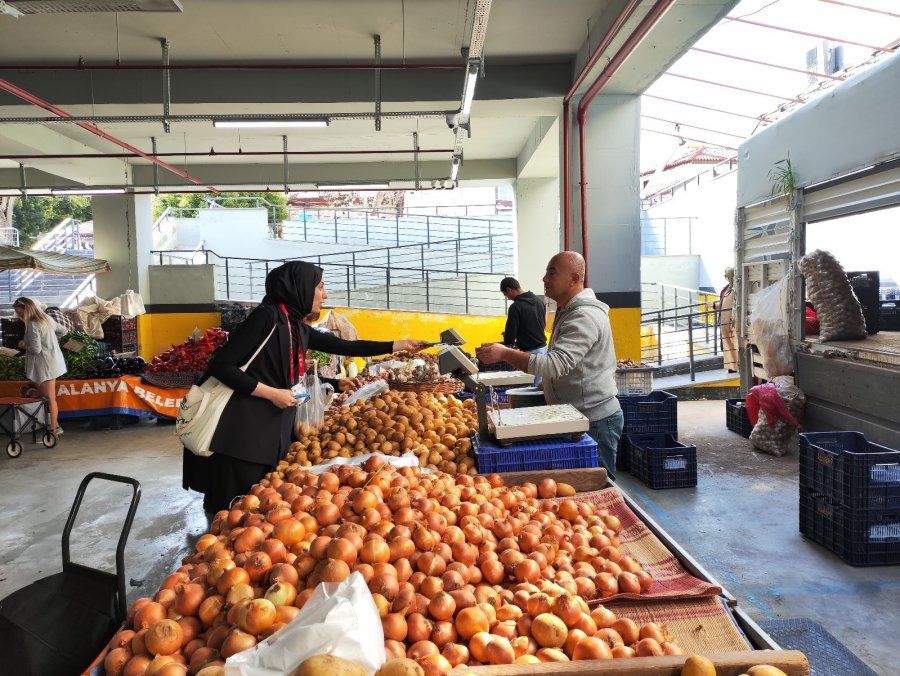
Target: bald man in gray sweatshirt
[(579, 367)]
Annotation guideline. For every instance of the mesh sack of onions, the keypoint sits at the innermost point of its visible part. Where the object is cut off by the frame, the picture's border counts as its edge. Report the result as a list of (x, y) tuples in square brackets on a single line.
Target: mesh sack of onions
[(839, 312), (775, 436)]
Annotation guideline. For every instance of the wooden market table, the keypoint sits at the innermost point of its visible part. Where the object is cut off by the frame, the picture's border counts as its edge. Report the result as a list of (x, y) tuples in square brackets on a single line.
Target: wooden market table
[(125, 395)]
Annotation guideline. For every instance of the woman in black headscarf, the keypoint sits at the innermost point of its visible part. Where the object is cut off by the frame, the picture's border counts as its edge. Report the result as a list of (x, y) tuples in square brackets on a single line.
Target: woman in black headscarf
[(254, 431)]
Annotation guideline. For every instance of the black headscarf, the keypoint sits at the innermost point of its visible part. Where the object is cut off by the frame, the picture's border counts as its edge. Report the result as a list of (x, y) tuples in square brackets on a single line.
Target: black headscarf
[(294, 286)]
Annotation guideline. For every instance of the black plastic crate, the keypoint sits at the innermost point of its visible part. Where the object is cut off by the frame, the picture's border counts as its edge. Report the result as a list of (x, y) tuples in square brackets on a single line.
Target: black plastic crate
[(13, 330), (851, 470), (889, 315), (660, 461), (119, 324), (860, 537), (736, 418), (866, 287), (656, 412)]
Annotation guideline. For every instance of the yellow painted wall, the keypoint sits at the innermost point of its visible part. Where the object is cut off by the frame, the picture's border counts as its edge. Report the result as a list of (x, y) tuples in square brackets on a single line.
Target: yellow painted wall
[(158, 332)]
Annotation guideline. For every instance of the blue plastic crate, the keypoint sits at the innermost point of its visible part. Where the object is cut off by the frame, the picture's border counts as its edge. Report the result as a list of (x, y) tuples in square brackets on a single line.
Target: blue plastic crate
[(535, 455), (861, 537), (660, 461), (656, 412), (851, 470)]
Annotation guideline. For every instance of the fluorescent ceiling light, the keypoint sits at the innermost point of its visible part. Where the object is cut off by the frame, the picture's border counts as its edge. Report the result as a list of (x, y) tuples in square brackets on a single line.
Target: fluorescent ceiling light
[(454, 169), (89, 191), (469, 93), (232, 124), (355, 186)]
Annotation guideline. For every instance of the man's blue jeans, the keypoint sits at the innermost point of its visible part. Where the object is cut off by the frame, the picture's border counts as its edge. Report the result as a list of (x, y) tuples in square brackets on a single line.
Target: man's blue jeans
[(606, 433), (540, 350)]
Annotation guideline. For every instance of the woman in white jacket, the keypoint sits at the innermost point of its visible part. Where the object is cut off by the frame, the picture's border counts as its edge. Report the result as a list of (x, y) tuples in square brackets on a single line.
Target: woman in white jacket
[(44, 361)]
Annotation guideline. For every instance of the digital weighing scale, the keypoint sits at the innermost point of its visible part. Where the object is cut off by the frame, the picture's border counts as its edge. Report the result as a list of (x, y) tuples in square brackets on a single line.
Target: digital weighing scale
[(509, 425)]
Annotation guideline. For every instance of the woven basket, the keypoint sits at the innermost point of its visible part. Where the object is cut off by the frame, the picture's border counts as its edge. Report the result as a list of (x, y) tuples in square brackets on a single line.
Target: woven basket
[(182, 380), (449, 387)]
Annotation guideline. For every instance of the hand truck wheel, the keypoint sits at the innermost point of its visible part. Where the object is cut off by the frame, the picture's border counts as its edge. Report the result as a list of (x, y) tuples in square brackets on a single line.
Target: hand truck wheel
[(49, 439), (14, 448)]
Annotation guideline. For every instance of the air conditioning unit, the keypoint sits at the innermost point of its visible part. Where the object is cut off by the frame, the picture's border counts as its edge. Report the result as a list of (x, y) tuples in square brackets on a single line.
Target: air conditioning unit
[(71, 6)]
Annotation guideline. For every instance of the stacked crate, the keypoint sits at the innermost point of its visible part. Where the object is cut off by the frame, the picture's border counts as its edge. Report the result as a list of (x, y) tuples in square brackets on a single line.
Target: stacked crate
[(850, 497), (120, 334), (866, 286), (13, 330), (650, 449)]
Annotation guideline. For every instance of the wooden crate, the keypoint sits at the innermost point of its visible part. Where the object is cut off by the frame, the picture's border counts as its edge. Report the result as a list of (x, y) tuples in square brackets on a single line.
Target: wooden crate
[(791, 662), (584, 480)]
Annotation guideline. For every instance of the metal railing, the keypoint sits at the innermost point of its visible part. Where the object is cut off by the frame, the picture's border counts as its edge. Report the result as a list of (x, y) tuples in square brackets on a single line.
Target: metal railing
[(363, 283), (657, 296), (364, 228), (668, 236), (680, 332)]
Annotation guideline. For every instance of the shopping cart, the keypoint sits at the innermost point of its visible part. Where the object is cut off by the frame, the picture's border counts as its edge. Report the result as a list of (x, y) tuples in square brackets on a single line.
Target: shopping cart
[(20, 415), (59, 624)]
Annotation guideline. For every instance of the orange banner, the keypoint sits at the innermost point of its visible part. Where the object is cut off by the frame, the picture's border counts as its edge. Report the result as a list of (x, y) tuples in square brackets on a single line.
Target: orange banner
[(109, 396)]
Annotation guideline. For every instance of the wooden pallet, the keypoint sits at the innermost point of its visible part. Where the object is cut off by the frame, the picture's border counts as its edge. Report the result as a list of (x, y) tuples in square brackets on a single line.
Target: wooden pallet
[(791, 662)]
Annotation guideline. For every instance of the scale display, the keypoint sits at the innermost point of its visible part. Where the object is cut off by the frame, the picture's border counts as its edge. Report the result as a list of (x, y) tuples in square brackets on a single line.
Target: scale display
[(537, 421)]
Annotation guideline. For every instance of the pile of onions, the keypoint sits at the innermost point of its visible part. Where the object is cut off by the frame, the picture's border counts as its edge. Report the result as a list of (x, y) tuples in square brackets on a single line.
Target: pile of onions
[(436, 428), (462, 569)]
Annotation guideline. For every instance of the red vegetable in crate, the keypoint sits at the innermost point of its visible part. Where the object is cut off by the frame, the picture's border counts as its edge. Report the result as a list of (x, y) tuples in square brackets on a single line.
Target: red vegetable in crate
[(193, 355)]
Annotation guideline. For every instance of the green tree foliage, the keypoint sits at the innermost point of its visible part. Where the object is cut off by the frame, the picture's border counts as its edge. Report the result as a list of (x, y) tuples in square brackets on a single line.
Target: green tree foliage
[(34, 216), (274, 201)]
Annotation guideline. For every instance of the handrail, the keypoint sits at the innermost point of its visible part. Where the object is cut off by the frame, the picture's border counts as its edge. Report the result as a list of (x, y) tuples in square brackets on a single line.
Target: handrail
[(75, 297), (670, 326)]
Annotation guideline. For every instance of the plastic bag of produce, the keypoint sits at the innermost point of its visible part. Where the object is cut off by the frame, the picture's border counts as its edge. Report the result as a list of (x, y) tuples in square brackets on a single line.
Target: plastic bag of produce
[(339, 619), (314, 397), (838, 310), (769, 330), (774, 409), (367, 391)]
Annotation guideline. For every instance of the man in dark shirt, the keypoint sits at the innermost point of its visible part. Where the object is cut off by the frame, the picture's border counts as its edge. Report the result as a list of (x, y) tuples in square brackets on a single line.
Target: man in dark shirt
[(525, 320)]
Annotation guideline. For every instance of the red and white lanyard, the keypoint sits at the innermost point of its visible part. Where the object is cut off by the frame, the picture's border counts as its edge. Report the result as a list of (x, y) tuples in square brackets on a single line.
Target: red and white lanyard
[(296, 361)]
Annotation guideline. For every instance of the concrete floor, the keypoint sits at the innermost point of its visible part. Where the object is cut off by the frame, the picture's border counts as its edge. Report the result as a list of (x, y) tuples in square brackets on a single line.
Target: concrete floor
[(740, 523)]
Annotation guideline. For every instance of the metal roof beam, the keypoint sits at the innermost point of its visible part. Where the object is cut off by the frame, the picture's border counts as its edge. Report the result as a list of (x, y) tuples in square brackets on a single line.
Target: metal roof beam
[(740, 89), (767, 64), (795, 31)]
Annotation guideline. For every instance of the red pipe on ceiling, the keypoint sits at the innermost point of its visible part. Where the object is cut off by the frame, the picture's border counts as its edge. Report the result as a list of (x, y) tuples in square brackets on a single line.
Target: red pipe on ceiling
[(639, 33), (617, 24), (239, 66), (59, 112)]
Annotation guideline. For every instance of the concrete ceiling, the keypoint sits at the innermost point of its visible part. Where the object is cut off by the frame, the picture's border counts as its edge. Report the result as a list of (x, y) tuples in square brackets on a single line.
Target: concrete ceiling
[(532, 50)]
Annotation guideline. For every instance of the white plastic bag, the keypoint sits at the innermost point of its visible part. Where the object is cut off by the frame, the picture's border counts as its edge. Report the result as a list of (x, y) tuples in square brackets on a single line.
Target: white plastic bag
[(405, 460), (132, 304), (311, 409), (769, 330), (339, 619), (367, 391)]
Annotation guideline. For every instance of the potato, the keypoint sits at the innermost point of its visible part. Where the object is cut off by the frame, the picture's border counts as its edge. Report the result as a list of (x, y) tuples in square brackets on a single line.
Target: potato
[(765, 670), (328, 665), (698, 665), (401, 666), (564, 490)]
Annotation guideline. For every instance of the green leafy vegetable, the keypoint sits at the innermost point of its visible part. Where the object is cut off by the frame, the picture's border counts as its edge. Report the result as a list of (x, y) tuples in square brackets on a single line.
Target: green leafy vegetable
[(77, 363)]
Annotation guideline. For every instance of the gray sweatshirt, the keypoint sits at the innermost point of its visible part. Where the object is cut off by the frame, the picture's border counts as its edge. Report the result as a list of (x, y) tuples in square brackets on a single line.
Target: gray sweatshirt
[(579, 366)]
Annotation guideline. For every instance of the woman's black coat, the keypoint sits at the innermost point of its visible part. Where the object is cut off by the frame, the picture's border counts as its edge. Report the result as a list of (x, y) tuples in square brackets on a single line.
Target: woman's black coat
[(251, 428)]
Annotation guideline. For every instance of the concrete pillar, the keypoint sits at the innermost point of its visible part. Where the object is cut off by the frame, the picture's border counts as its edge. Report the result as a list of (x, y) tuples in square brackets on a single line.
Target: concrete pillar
[(537, 229), (123, 235), (613, 211)]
